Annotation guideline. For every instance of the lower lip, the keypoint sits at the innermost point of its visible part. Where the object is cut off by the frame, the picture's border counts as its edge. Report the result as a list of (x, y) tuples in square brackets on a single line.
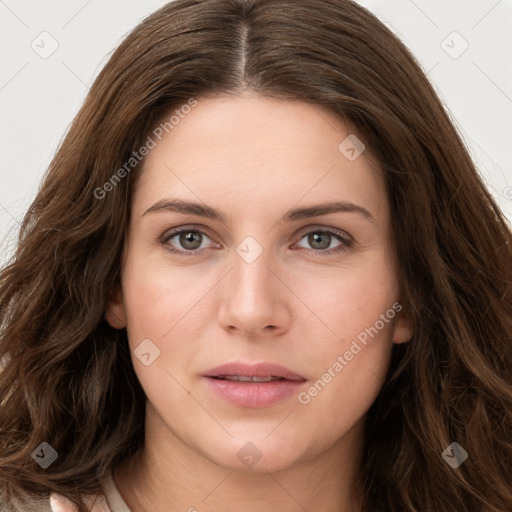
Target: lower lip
[(254, 394)]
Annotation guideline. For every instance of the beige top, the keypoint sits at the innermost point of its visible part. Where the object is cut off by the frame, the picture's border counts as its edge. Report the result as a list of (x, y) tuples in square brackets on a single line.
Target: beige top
[(109, 501)]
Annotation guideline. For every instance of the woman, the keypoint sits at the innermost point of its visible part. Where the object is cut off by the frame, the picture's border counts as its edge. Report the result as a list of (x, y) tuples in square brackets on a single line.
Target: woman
[(262, 271)]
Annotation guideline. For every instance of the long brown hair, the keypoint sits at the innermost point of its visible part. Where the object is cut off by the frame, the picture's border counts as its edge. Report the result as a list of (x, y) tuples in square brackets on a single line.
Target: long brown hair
[(68, 378)]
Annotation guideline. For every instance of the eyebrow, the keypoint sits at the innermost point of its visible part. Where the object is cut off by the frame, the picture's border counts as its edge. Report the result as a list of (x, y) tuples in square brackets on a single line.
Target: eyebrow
[(201, 210)]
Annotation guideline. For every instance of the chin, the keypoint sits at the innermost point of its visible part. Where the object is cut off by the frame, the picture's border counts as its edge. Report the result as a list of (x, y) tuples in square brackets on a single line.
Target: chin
[(252, 454)]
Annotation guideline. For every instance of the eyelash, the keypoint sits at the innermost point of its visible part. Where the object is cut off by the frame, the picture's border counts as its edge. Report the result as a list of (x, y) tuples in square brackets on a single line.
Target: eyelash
[(346, 242)]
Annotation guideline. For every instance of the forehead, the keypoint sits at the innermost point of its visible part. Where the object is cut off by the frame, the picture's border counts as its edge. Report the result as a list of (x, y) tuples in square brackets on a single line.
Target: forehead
[(257, 150)]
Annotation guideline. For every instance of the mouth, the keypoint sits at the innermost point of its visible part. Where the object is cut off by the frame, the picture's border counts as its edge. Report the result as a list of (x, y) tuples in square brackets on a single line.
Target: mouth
[(260, 372), (253, 386), (241, 378)]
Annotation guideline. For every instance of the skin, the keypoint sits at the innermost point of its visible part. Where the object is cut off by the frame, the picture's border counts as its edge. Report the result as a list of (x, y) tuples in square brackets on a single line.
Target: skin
[(254, 158)]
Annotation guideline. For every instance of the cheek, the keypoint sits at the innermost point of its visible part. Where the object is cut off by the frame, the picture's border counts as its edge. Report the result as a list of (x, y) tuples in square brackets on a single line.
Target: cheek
[(168, 307), (359, 309), (159, 298), (163, 309), (348, 378), (350, 300)]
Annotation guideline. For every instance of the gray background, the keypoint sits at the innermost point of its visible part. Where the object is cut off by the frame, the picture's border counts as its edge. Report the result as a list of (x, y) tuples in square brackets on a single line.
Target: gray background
[(40, 93)]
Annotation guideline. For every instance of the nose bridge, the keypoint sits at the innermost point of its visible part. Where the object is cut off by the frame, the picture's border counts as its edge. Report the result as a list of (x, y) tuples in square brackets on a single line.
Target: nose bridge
[(250, 277), (251, 295)]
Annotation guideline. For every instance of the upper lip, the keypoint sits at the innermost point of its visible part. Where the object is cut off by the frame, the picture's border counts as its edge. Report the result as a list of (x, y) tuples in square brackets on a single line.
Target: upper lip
[(254, 370)]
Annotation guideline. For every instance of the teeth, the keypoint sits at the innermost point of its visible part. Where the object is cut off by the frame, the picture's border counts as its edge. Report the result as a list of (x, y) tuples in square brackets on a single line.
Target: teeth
[(250, 379)]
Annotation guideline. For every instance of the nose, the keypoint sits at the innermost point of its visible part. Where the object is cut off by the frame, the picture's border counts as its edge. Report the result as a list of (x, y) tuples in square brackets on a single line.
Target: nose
[(255, 299)]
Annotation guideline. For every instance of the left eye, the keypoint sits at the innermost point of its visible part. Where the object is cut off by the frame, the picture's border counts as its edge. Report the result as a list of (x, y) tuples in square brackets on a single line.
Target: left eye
[(191, 241), (322, 240)]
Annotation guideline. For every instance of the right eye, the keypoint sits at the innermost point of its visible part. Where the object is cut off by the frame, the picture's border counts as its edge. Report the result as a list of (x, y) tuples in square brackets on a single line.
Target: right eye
[(189, 239)]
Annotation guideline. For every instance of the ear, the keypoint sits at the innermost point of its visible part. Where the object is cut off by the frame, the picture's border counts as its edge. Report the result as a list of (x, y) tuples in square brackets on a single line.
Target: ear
[(403, 329), (116, 313)]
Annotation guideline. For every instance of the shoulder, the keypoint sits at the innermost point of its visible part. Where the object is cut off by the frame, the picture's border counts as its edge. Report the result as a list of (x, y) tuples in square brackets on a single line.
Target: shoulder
[(96, 503), (110, 500)]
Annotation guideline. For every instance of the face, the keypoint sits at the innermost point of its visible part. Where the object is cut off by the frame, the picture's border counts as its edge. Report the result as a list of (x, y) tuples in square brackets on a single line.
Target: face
[(259, 275)]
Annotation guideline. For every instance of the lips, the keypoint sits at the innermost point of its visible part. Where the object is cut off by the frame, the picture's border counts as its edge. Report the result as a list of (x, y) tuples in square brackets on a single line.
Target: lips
[(261, 372), (253, 385)]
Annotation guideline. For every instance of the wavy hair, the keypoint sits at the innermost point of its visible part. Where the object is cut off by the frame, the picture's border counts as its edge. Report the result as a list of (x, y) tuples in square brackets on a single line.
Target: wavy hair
[(67, 376)]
